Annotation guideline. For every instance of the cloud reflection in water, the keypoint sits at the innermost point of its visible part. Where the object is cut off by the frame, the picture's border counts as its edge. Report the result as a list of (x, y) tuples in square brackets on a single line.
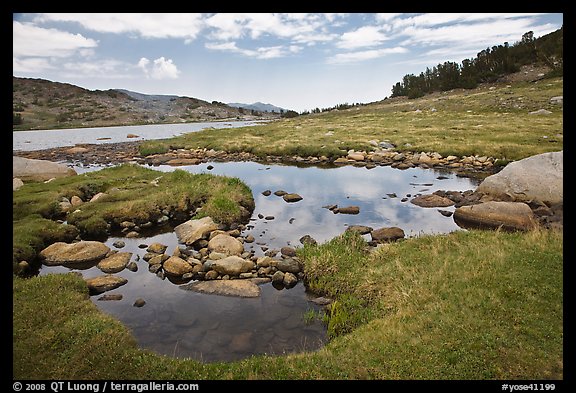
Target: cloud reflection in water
[(342, 186)]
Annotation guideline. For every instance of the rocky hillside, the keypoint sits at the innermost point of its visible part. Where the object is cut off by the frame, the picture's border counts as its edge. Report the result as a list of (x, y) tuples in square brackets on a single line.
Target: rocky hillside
[(43, 104)]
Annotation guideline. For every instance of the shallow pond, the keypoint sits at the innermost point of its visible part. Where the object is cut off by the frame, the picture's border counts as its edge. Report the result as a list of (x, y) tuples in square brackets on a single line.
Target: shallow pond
[(182, 323)]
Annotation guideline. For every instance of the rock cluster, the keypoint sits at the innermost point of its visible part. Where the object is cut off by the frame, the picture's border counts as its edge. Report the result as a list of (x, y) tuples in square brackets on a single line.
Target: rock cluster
[(383, 154), (213, 254), (208, 253)]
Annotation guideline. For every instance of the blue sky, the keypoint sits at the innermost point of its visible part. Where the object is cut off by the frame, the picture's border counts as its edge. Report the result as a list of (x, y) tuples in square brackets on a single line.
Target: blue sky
[(296, 61)]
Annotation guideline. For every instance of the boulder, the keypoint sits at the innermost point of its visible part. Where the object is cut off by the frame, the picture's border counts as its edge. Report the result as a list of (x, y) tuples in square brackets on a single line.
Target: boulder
[(192, 230), (115, 263), (61, 253), (356, 156), (361, 229), (176, 266), (347, 210), (539, 177), (28, 169), (232, 265), (157, 248), (289, 280), (431, 200), (387, 234), (288, 251), (292, 197), (16, 183), (226, 244), (496, 214), (288, 265), (105, 283)]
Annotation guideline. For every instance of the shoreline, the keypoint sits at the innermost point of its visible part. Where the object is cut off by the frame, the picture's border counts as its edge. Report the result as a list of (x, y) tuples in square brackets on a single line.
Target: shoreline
[(122, 152)]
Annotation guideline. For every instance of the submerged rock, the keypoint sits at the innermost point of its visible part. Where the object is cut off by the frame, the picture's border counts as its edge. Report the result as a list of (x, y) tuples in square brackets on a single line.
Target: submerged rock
[(240, 288)]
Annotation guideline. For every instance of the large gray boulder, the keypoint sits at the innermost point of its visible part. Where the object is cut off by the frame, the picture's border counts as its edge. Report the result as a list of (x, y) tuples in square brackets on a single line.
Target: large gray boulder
[(496, 214), (539, 177), (28, 169)]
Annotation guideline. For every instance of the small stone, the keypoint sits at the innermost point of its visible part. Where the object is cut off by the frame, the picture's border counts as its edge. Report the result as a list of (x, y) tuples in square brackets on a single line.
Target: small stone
[(139, 302), (292, 197)]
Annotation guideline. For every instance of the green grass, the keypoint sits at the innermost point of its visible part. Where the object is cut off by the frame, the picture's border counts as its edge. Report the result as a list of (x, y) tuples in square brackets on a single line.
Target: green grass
[(466, 305), (481, 121), (134, 193)]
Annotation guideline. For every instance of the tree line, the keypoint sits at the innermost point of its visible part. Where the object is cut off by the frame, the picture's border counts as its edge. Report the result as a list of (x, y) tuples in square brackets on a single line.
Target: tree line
[(489, 65)]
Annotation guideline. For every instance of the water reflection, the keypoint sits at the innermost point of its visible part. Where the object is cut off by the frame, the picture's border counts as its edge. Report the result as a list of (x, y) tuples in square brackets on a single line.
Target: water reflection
[(182, 323), (186, 324), (368, 189)]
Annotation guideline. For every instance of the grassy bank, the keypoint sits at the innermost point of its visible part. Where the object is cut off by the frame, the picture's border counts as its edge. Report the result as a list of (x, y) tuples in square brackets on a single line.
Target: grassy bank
[(490, 120), (133, 193), (466, 305)]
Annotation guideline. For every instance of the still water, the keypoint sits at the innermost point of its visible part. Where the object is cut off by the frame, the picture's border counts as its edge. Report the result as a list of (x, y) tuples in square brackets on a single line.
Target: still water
[(47, 139)]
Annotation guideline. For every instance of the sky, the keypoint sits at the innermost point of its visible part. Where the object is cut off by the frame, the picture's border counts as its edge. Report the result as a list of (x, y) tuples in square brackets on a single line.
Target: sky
[(297, 61)]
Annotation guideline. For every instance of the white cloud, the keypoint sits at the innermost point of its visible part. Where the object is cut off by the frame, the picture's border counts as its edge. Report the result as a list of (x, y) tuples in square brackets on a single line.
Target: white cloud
[(354, 57), (33, 41), (160, 68), (299, 28), (268, 52), (364, 36), (148, 25)]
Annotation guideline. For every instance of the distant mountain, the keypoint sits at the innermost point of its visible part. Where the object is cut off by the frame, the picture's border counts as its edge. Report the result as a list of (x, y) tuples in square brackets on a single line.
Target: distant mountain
[(147, 97), (43, 104), (258, 106)]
